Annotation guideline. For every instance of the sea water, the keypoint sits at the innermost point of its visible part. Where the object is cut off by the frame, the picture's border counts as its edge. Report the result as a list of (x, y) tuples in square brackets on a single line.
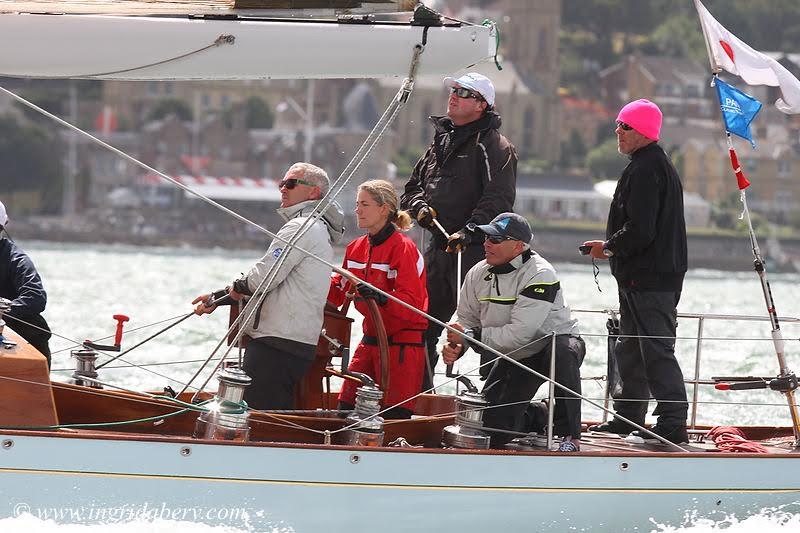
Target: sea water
[(87, 284)]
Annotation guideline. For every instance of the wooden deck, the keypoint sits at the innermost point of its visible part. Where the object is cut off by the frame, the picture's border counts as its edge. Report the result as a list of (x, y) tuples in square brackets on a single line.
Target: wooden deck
[(199, 7)]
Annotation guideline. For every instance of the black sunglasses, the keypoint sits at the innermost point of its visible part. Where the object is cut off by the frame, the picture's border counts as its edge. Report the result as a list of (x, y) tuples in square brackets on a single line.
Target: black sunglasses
[(461, 92), (498, 239), (291, 183), (623, 126)]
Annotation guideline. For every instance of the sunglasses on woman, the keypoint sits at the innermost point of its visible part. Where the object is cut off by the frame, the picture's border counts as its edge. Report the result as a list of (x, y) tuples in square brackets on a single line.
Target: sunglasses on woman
[(291, 183), (624, 127), (461, 92)]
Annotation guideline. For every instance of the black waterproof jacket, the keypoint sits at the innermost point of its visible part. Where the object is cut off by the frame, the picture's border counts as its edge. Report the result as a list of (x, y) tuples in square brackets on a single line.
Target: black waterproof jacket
[(468, 174), (646, 230), (20, 283)]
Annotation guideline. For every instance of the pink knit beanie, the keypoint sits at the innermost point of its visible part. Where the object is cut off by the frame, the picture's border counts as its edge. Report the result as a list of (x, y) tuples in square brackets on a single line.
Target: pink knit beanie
[(644, 116)]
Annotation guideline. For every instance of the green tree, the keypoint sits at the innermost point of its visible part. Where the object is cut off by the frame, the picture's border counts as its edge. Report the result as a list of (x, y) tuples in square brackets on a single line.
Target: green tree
[(258, 114), (405, 159), (573, 150), (605, 161), (169, 106), (31, 160), (600, 33)]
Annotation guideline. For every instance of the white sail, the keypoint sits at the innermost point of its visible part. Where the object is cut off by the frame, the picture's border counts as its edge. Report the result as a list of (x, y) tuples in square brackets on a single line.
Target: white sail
[(196, 7), (158, 48)]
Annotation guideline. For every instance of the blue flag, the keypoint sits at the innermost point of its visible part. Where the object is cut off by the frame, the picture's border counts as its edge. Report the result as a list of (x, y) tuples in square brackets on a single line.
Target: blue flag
[(738, 110)]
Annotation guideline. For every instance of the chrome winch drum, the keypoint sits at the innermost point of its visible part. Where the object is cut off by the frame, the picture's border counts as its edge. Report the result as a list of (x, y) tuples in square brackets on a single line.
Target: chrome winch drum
[(367, 429), (466, 433), (85, 359), (226, 418)]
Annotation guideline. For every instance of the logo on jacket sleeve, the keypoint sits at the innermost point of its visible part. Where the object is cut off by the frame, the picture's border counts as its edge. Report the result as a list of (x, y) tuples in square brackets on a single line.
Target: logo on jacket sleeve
[(276, 253)]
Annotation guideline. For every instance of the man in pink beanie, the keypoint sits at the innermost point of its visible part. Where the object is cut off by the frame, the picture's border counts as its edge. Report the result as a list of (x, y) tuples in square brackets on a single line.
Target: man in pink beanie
[(646, 247)]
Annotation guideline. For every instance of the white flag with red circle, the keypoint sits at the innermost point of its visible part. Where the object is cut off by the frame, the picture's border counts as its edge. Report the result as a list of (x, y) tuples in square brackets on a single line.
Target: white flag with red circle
[(727, 52)]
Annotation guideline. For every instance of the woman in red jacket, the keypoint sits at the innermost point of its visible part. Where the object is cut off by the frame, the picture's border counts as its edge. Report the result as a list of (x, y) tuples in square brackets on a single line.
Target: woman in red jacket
[(390, 261)]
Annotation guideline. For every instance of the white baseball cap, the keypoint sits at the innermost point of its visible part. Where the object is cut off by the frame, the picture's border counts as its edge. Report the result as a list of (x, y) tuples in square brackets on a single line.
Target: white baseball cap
[(3, 215), (475, 82)]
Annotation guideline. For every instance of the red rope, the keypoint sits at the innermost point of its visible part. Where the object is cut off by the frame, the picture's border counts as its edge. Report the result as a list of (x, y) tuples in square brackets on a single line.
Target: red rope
[(731, 439)]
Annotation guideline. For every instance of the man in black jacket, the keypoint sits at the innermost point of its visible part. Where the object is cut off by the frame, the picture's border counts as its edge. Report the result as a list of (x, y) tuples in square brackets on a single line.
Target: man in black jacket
[(646, 246), (20, 283), (466, 178)]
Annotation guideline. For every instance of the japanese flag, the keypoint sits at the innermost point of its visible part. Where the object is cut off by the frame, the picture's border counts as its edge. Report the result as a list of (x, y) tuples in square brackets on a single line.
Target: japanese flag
[(727, 52)]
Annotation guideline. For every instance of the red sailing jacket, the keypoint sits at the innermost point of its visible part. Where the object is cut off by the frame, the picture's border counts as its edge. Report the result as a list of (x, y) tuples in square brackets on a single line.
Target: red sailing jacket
[(390, 261)]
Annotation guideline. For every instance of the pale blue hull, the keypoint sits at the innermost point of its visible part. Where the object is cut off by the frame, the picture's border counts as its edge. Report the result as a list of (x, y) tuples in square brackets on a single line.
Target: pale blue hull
[(315, 489)]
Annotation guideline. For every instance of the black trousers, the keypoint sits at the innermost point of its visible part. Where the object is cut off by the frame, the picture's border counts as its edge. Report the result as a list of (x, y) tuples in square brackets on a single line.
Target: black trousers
[(442, 293), (648, 365), (274, 373), (509, 384), (38, 338)]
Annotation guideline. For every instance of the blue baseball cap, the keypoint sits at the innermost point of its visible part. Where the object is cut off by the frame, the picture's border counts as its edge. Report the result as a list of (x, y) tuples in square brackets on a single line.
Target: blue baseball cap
[(509, 225)]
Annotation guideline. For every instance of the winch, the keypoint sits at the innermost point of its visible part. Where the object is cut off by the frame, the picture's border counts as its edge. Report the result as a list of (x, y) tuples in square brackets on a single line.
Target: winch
[(367, 429), (467, 432), (226, 418), (85, 359)]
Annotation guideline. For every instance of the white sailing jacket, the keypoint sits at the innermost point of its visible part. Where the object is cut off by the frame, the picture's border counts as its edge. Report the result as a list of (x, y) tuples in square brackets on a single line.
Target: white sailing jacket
[(293, 307), (515, 304)]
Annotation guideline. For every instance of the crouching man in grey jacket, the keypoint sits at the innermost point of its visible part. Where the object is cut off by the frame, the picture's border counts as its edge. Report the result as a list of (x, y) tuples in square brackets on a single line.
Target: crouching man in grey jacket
[(512, 301), (285, 328)]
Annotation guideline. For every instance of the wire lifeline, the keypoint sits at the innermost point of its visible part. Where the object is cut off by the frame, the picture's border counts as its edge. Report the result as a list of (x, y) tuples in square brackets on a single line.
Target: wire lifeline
[(254, 303), (347, 174), (147, 400), (98, 351), (128, 331), (149, 168), (283, 422), (151, 337), (333, 267)]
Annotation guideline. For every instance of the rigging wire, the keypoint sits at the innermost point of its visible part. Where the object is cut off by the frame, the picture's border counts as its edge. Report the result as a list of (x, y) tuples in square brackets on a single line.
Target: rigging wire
[(98, 351), (128, 331), (336, 188)]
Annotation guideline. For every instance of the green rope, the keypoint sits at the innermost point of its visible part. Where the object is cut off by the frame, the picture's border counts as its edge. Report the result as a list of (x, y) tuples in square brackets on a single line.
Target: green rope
[(493, 25), (98, 424)]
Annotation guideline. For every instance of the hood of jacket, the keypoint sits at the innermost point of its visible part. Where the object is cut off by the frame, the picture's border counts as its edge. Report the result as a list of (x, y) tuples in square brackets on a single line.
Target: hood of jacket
[(333, 216)]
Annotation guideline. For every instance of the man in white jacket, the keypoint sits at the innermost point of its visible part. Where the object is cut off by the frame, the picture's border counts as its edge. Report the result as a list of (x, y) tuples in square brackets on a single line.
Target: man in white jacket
[(285, 328), (512, 301)]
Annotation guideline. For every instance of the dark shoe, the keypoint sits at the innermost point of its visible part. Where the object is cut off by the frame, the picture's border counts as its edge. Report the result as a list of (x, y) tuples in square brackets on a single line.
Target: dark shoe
[(674, 434), (612, 426)]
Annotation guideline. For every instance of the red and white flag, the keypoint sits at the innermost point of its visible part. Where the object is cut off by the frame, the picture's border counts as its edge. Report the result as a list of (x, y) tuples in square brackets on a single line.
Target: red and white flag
[(727, 52)]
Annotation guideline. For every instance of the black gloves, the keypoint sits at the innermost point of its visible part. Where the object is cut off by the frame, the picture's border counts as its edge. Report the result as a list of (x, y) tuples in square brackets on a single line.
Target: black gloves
[(459, 240), (240, 286), (368, 293), (425, 216), (221, 297)]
